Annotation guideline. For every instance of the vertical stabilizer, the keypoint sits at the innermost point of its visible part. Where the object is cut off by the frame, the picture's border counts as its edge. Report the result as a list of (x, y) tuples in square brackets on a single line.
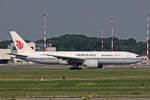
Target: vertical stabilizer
[(21, 46)]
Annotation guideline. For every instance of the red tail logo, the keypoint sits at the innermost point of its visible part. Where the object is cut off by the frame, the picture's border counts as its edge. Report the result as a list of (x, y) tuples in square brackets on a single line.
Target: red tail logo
[(19, 44)]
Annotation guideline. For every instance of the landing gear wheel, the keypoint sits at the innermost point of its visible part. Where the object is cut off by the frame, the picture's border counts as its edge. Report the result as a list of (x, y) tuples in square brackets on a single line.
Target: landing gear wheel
[(75, 67)]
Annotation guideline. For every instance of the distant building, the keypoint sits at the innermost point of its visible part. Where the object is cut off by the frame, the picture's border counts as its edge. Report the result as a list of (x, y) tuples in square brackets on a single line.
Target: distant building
[(4, 57), (39, 47), (51, 49)]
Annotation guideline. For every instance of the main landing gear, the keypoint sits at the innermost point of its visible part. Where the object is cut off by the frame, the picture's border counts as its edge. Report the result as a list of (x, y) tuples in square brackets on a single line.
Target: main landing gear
[(75, 66)]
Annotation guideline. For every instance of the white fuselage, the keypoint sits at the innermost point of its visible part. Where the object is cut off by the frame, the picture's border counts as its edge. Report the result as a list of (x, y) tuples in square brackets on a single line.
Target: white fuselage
[(106, 57)]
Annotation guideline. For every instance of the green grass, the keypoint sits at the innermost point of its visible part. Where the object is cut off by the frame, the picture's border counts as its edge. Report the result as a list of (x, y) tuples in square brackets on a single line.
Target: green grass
[(74, 83)]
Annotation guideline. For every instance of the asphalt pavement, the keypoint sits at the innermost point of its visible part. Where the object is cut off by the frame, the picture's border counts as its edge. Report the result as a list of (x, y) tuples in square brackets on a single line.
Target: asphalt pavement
[(45, 66)]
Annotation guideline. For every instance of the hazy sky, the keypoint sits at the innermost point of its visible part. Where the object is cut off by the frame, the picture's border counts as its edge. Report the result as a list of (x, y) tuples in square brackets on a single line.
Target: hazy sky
[(74, 16)]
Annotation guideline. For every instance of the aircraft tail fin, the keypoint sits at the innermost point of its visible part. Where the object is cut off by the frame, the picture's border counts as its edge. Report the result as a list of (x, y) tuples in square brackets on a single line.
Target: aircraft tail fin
[(20, 44)]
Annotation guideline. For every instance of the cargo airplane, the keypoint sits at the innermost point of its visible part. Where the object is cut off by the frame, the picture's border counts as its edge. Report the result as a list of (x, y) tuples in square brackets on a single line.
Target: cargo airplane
[(90, 59)]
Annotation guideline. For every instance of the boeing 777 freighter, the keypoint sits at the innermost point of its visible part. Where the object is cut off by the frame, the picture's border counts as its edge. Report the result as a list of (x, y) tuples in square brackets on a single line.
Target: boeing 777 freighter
[(91, 59)]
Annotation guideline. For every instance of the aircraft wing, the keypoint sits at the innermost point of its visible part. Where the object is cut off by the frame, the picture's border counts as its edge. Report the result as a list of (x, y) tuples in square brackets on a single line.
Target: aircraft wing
[(18, 55), (70, 60)]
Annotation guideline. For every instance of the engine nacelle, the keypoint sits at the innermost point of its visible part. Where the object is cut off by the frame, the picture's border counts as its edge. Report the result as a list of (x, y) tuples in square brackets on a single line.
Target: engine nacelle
[(93, 64)]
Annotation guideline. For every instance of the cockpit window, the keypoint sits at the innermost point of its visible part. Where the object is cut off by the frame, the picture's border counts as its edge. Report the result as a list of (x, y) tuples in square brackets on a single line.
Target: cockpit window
[(138, 56)]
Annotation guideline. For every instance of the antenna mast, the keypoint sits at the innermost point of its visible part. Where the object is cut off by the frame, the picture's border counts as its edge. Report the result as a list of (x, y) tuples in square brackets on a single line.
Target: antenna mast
[(45, 30)]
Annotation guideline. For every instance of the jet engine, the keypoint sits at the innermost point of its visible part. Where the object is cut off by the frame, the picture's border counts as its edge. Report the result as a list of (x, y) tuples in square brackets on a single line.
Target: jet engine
[(93, 64)]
